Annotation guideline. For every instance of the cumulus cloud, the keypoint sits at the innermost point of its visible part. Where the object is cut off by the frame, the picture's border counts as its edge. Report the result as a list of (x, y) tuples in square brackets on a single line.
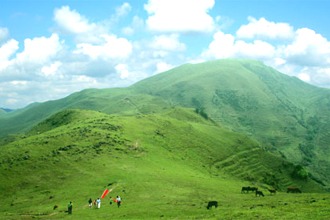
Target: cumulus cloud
[(222, 46), (51, 70), (264, 29), (308, 48), (71, 21), (124, 9), (7, 50), (167, 42), (180, 16), (162, 66), (39, 49), (112, 47), (226, 45), (122, 70)]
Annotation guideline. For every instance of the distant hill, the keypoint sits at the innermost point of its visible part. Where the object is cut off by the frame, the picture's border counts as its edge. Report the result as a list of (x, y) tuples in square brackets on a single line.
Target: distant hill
[(285, 115), (5, 110)]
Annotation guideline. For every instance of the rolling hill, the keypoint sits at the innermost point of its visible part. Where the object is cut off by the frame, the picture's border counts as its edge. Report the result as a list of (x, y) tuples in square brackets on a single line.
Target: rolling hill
[(207, 128), (282, 112), (175, 160)]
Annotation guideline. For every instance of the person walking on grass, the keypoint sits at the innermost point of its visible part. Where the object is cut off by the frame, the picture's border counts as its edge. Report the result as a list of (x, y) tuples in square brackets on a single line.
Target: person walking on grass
[(70, 208), (118, 200), (90, 202), (98, 202)]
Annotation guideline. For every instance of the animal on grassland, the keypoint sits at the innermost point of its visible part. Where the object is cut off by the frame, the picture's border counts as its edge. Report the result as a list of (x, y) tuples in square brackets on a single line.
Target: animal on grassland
[(210, 204)]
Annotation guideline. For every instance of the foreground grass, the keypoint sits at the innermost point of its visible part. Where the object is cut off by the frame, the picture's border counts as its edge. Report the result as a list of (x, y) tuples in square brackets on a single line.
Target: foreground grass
[(158, 189)]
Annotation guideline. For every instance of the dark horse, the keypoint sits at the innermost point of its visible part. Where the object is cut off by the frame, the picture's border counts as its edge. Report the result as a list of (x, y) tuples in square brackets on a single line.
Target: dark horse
[(293, 190), (259, 193), (212, 203), (246, 189)]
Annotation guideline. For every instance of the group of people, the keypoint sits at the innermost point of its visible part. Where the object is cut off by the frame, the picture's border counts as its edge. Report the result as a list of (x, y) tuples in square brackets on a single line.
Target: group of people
[(97, 202)]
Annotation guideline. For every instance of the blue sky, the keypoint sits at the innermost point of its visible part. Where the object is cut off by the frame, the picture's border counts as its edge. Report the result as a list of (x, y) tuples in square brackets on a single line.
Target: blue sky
[(50, 49)]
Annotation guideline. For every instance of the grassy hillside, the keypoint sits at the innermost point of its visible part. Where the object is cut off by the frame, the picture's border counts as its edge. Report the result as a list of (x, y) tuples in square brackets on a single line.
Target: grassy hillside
[(283, 114), (166, 165)]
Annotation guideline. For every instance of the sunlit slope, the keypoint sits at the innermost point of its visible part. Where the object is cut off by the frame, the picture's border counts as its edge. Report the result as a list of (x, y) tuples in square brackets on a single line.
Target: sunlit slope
[(114, 100), (282, 112), (176, 157)]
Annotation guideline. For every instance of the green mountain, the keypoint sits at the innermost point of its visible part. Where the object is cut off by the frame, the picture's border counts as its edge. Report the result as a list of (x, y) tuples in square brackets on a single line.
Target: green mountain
[(174, 141), (282, 112)]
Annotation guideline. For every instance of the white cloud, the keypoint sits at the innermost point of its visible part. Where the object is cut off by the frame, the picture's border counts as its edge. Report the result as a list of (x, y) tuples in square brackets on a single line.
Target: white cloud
[(124, 9), (257, 49), (314, 75), (308, 48), (225, 46), (167, 43), (180, 16), (84, 79), (39, 49), (122, 70), (71, 21), (264, 29), (222, 46), (112, 47), (6, 51), (51, 69), (18, 83), (163, 66), (304, 77)]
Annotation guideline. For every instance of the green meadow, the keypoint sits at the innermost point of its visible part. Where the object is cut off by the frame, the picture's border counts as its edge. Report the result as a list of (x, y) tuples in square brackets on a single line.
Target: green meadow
[(158, 165)]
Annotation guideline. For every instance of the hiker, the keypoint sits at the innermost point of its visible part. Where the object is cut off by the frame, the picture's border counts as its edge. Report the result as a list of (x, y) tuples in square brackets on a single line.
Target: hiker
[(118, 200), (90, 202), (98, 202), (70, 208)]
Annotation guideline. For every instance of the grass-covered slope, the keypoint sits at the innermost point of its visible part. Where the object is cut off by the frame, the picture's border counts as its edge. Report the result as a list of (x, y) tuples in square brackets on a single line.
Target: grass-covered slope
[(285, 115), (282, 112), (115, 100), (166, 165)]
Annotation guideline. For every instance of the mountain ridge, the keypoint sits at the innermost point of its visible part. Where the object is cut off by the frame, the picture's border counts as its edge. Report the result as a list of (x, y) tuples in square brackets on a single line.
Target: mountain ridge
[(283, 113)]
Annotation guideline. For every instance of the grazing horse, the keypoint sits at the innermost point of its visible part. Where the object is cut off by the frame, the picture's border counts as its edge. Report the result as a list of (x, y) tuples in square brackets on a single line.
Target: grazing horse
[(246, 189), (259, 193), (272, 191), (293, 190), (212, 203)]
